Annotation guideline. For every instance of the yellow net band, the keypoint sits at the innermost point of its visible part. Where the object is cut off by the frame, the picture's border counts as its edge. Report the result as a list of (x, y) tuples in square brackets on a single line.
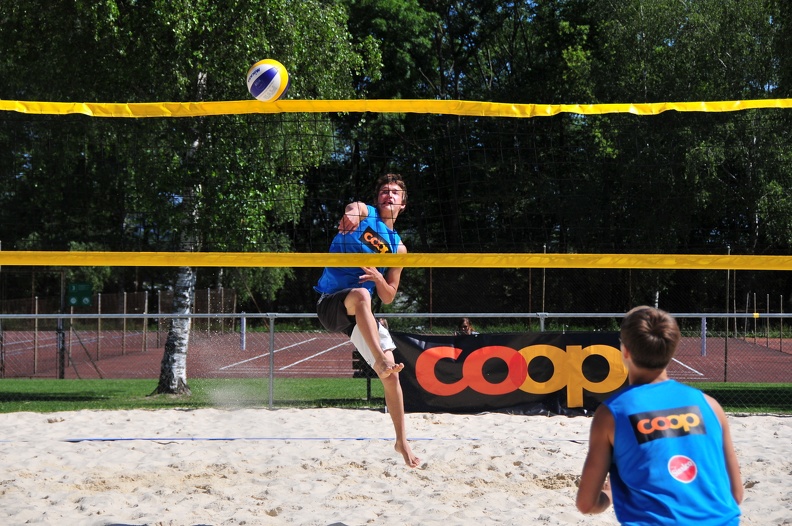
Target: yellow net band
[(284, 259), (445, 107)]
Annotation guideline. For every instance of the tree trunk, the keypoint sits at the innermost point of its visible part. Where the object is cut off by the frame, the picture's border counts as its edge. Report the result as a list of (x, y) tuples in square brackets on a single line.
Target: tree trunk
[(173, 369)]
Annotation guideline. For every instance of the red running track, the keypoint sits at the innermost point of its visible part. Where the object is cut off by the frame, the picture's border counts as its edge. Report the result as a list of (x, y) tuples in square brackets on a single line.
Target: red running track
[(319, 354)]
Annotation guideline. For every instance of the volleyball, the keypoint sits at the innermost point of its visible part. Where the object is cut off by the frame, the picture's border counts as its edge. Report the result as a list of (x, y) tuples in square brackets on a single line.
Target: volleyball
[(267, 80)]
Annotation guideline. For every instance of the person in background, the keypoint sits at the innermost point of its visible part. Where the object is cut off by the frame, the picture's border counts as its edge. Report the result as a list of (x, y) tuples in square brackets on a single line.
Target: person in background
[(465, 327), (666, 446)]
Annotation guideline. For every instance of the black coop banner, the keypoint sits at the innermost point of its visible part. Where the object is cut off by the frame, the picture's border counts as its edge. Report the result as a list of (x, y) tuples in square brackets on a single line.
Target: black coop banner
[(526, 373)]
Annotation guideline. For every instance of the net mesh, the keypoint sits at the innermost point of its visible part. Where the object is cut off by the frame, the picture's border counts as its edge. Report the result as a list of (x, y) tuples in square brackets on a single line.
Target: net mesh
[(574, 183)]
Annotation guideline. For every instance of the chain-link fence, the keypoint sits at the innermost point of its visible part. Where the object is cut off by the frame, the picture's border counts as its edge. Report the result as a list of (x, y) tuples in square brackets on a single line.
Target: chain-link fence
[(745, 358)]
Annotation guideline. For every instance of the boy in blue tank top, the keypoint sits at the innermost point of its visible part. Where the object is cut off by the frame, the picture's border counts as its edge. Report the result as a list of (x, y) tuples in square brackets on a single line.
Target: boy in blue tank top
[(345, 293), (667, 446)]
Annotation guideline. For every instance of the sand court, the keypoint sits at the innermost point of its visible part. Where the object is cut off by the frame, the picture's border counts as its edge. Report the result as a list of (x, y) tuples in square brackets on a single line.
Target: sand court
[(327, 466)]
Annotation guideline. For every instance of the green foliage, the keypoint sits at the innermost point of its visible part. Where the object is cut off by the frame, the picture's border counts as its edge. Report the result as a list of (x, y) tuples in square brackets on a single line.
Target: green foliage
[(264, 281), (164, 184), (96, 277), (397, 37)]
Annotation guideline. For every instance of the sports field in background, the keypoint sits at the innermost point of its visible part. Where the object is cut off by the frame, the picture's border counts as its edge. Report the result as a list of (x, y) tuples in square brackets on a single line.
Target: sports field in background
[(326, 355), (318, 355)]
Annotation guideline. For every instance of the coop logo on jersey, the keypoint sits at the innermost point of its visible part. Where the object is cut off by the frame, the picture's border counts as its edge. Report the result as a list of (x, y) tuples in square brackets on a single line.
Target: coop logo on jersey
[(682, 468), (667, 423), (373, 240)]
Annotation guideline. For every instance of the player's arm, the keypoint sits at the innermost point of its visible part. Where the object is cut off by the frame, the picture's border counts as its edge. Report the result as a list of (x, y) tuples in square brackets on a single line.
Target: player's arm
[(732, 464), (354, 213), (387, 284), (594, 494)]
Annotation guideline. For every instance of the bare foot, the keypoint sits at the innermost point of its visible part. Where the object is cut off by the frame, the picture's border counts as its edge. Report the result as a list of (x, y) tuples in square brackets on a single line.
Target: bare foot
[(386, 369), (404, 448)]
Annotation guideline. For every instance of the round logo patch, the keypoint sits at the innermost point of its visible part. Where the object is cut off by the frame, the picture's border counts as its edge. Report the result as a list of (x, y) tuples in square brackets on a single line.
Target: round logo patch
[(682, 468)]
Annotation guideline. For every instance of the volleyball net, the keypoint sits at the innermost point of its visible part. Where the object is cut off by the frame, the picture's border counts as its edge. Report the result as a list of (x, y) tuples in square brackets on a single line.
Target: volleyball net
[(515, 211)]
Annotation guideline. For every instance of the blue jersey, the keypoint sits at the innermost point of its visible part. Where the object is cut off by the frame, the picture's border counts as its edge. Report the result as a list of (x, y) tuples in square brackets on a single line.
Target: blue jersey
[(372, 235), (668, 460)]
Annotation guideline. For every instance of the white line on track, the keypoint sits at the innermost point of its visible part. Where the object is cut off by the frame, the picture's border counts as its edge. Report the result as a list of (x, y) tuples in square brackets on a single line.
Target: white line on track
[(313, 356), (688, 367), (266, 354)]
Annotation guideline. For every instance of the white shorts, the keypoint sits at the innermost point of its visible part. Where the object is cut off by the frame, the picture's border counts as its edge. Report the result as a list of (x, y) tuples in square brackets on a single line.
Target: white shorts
[(386, 342)]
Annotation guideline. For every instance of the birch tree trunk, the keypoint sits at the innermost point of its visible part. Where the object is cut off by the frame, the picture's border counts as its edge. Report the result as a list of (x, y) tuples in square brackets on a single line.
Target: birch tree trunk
[(173, 368)]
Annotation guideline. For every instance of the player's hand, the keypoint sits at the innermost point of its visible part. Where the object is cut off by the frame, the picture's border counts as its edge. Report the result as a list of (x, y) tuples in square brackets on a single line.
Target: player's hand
[(371, 274), (349, 222)]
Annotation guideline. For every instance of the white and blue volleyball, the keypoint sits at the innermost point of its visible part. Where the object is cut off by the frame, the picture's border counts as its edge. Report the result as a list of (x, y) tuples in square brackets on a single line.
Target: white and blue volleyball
[(267, 80)]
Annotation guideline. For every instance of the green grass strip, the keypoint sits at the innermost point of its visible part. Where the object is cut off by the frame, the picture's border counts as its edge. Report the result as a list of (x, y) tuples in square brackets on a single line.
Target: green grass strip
[(49, 395)]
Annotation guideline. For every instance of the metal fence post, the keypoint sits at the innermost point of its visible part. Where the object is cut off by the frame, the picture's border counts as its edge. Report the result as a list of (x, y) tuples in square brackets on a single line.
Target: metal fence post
[(61, 337), (242, 332), (124, 325), (159, 317), (271, 359), (145, 322), (704, 336), (98, 325), (35, 335)]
